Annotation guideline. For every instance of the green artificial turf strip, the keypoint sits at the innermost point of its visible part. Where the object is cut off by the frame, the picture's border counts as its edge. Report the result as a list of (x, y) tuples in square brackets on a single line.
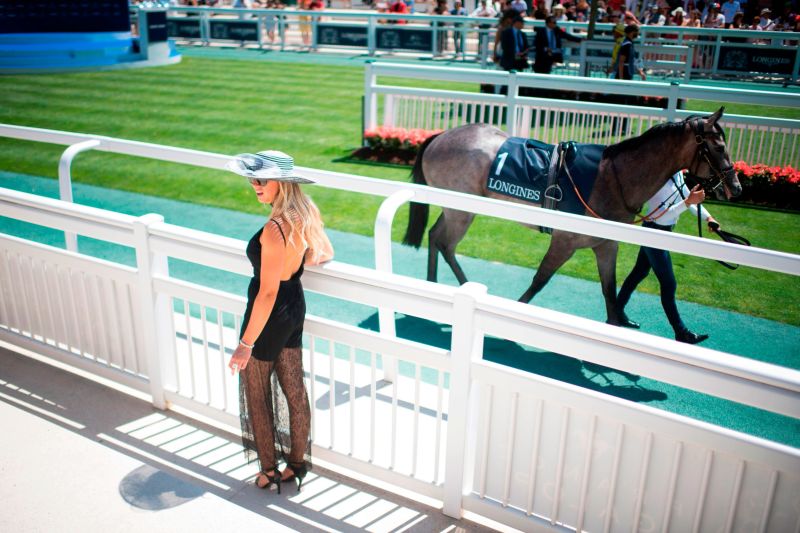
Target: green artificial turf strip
[(313, 112)]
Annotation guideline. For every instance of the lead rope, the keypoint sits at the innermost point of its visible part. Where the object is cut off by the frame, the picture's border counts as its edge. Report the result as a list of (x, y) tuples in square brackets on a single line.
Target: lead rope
[(638, 219)]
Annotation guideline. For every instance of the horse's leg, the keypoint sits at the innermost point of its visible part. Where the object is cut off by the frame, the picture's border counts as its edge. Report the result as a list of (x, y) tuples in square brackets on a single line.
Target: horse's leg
[(433, 250), (445, 236), (558, 253), (606, 255)]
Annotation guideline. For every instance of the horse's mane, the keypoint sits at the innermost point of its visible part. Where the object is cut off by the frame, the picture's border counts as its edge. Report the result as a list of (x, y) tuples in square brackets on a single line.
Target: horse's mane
[(659, 130)]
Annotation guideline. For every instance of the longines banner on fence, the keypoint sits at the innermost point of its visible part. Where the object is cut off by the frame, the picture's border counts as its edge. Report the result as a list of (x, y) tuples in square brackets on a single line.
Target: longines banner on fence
[(184, 28), (404, 39), (234, 31), (756, 59), (341, 35)]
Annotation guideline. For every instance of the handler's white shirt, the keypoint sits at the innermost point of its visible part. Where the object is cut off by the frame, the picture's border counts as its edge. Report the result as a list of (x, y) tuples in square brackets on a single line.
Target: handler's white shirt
[(667, 204)]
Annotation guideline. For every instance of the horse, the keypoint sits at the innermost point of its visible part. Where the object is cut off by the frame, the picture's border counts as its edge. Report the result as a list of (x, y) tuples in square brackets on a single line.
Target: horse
[(628, 174)]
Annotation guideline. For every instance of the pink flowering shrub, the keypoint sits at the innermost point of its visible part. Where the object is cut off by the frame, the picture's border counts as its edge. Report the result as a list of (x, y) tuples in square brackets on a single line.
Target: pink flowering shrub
[(387, 137), (769, 185)]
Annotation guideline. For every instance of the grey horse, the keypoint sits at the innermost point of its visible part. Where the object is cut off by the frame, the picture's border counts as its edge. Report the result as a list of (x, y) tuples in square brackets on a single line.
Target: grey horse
[(629, 173)]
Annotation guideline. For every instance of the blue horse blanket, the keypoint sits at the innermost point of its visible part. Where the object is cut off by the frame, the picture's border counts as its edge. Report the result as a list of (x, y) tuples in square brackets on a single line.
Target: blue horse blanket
[(532, 171)]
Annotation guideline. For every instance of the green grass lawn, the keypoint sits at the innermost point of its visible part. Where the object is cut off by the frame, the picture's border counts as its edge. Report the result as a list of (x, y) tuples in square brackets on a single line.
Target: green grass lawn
[(314, 113)]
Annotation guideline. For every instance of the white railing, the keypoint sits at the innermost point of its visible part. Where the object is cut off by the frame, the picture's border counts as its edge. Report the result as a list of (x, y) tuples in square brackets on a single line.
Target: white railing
[(772, 141), (548, 438), (537, 469)]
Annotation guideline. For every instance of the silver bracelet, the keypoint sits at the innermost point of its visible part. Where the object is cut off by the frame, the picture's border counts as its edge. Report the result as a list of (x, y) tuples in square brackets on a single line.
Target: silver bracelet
[(249, 346)]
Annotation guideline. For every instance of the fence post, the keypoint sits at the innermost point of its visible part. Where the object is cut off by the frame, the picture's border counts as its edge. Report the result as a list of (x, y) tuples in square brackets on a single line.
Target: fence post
[(383, 263), (155, 310), (371, 36), (796, 69), (466, 347), (511, 106), (672, 100), (65, 182), (370, 105)]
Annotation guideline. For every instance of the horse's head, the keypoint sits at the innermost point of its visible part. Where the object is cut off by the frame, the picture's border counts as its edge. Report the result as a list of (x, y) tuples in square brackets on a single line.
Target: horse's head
[(712, 164)]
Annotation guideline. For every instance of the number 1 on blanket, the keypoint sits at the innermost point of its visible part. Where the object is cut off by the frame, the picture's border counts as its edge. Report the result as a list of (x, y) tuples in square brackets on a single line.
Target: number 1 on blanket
[(502, 158)]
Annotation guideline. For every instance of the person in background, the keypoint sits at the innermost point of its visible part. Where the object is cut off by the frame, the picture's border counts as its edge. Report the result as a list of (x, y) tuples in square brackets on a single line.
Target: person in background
[(520, 6), (484, 10), (694, 19), (729, 9), (628, 59), (270, 350), (766, 23), (506, 19), (714, 19), (515, 46), (441, 34), (678, 17), (458, 11), (560, 13), (398, 7), (663, 209), (547, 43)]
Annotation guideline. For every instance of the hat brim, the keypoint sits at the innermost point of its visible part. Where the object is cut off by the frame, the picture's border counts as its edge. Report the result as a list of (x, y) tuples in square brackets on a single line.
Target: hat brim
[(234, 167)]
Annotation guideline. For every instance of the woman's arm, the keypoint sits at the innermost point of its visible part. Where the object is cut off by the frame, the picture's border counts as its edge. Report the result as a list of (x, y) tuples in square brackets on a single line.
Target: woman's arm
[(273, 255)]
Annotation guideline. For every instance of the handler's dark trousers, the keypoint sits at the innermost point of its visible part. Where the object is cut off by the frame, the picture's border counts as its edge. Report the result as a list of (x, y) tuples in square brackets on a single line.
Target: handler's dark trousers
[(661, 263)]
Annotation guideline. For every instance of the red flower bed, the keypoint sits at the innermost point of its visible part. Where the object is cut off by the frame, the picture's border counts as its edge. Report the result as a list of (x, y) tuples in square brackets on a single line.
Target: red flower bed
[(393, 145), (770, 186)]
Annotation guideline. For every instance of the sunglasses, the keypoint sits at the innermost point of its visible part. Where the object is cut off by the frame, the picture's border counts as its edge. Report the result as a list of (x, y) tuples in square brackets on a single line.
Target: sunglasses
[(258, 181)]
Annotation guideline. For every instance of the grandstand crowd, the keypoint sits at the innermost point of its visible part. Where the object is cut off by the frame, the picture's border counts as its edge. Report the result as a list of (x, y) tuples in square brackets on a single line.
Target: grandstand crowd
[(731, 14)]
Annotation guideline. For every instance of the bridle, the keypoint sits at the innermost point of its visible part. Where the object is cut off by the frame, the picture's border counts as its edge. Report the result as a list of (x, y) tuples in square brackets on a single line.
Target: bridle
[(703, 152)]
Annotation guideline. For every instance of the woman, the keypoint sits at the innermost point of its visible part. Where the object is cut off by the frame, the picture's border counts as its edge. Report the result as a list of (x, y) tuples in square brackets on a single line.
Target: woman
[(272, 328)]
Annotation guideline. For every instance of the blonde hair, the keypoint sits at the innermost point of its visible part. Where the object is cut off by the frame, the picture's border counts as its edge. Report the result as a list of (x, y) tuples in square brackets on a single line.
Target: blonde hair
[(302, 215)]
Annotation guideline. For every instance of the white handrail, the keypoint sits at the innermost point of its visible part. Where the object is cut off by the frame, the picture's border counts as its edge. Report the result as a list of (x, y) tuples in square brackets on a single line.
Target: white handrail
[(526, 214)]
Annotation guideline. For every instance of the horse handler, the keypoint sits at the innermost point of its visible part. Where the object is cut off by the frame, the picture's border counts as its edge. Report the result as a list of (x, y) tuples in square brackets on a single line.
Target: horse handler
[(664, 209)]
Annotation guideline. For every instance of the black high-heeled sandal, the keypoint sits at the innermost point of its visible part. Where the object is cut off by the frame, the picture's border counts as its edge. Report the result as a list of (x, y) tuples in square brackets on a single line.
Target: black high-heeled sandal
[(273, 478), (299, 471)]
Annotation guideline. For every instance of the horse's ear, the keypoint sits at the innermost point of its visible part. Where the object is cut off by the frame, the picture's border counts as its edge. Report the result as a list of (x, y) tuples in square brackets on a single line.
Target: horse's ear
[(716, 116)]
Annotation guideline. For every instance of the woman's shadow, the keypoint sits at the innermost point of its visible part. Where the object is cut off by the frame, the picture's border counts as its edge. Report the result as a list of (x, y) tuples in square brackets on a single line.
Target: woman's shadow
[(584, 374)]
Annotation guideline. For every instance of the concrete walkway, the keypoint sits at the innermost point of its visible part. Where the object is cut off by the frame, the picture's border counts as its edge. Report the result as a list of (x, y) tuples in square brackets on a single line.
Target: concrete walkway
[(79, 456)]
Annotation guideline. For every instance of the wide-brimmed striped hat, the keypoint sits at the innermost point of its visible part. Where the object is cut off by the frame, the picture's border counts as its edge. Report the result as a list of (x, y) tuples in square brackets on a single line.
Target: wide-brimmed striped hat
[(269, 164)]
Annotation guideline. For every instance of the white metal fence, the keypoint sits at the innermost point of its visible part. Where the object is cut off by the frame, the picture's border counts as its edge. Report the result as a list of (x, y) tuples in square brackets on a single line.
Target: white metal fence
[(433, 35), (772, 141), (525, 450)]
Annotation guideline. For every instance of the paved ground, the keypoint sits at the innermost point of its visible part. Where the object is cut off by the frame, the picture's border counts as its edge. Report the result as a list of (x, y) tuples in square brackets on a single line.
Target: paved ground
[(740, 334), (78, 456)]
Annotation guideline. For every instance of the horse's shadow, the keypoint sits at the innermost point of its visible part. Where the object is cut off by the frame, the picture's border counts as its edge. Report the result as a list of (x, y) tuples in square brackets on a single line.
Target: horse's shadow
[(548, 364)]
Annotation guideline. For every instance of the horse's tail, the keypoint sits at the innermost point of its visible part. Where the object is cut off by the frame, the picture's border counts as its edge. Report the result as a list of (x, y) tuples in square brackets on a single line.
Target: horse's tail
[(418, 213)]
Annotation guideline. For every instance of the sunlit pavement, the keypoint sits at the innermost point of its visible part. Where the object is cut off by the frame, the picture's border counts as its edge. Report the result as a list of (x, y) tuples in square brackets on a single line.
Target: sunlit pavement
[(79, 456)]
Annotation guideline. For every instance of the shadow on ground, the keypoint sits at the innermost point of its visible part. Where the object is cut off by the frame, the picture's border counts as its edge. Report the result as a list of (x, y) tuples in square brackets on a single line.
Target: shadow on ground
[(548, 364)]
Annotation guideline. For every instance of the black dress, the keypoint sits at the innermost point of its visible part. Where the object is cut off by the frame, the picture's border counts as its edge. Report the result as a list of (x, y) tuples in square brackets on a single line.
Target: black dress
[(284, 328)]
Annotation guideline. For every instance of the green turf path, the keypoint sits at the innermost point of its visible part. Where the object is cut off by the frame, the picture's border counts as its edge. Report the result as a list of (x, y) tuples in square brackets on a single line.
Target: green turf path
[(731, 332), (309, 105)]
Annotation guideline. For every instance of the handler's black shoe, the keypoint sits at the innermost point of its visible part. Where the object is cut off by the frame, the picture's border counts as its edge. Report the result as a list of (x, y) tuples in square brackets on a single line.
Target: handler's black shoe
[(689, 337), (626, 322)]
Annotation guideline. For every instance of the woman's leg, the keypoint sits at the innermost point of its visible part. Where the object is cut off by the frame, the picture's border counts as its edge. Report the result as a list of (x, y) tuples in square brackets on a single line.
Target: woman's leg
[(289, 369), (258, 431), (640, 271), (661, 262)]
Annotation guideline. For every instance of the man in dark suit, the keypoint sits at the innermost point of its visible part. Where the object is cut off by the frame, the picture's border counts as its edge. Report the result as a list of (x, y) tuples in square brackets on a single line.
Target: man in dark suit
[(548, 45), (515, 46)]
